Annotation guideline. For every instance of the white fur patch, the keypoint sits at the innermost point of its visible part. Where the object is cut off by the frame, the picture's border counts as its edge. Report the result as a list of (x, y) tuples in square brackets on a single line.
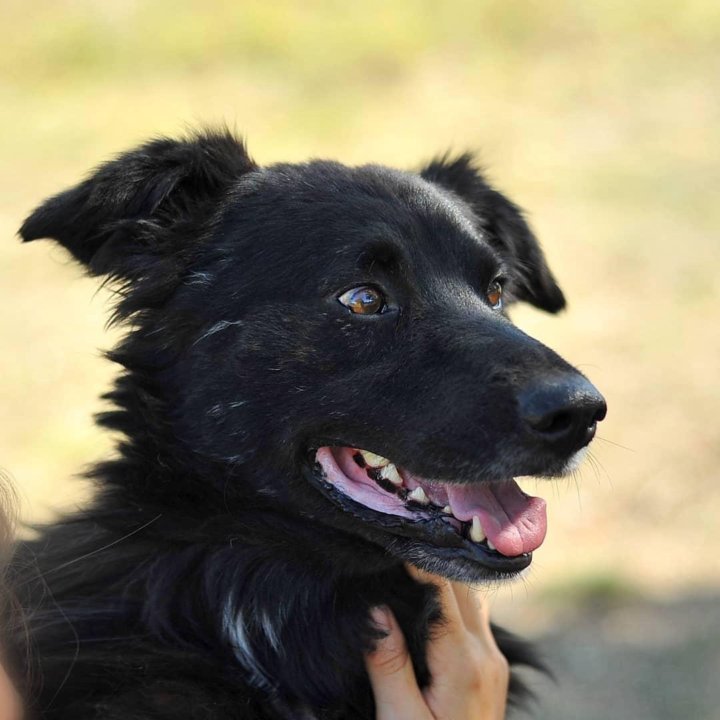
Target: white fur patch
[(236, 631), (575, 461)]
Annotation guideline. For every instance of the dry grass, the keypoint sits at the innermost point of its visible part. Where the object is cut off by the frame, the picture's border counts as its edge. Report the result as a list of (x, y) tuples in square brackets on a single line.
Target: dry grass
[(601, 118)]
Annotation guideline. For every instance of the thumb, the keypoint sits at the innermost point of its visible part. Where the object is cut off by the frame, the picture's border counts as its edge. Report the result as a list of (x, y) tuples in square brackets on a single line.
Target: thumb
[(397, 695)]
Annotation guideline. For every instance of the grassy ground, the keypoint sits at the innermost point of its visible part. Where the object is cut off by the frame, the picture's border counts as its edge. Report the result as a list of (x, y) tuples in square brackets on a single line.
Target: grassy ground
[(601, 118)]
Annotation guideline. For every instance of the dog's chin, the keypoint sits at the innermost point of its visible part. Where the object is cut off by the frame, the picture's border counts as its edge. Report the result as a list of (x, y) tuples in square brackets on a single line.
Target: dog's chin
[(460, 564), (472, 532)]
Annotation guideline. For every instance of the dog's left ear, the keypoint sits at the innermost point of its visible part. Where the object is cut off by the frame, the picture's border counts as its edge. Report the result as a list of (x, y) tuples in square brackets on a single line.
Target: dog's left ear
[(503, 223), (141, 211)]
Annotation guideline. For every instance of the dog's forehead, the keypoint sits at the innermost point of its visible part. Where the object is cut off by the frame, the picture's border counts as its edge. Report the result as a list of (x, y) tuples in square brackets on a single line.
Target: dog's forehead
[(330, 207)]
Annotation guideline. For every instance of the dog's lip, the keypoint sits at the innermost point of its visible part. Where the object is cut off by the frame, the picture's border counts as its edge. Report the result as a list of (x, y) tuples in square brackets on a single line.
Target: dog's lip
[(499, 565), (500, 506)]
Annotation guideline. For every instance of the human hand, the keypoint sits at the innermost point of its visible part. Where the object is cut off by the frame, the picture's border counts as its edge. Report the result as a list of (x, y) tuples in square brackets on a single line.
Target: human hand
[(10, 707), (470, 675)]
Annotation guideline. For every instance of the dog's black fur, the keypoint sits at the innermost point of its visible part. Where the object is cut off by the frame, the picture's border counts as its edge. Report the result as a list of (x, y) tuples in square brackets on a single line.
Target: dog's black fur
[(211, 576)]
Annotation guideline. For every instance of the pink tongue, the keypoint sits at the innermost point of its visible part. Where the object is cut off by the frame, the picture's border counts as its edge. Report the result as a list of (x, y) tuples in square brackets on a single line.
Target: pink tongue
[(515, 523)]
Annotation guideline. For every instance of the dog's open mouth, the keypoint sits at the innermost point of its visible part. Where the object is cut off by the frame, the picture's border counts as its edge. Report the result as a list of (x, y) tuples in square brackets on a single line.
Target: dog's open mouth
[(497, 517)]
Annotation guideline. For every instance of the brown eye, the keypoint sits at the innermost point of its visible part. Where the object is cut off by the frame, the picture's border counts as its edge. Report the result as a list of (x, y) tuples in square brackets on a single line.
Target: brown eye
[(494, 295), (363, 300)]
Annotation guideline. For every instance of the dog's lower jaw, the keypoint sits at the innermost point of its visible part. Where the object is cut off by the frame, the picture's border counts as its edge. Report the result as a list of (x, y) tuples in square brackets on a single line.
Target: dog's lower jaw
[(456, 568)]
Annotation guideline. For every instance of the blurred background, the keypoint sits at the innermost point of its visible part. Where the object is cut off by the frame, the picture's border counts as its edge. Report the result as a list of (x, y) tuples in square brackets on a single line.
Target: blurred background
[(602, 119)]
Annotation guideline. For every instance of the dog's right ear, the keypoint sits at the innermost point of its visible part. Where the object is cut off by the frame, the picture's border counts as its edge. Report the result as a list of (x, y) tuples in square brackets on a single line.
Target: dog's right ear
[(115, 222), (505, 228)]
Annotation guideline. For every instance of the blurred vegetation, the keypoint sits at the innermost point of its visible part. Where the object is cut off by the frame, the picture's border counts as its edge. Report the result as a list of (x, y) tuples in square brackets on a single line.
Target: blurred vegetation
[(591, 592), (601, 118)]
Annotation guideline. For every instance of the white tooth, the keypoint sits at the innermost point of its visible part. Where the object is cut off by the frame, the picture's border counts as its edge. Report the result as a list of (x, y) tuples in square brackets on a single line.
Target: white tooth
[(447, 510), (374, 460), (490, 545), (419, 496), (476, 530), (390, 472)]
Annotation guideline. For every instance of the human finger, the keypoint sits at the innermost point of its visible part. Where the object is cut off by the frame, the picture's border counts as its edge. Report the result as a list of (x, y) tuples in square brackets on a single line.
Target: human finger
[(392, 677)]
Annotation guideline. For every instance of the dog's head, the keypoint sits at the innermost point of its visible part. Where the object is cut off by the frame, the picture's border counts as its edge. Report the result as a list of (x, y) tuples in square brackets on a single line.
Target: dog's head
[(333, 342)]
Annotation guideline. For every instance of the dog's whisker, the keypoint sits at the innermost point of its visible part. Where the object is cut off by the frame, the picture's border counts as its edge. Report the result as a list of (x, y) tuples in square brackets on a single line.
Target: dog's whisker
[(599, 469), (615, 444), (575, 477)]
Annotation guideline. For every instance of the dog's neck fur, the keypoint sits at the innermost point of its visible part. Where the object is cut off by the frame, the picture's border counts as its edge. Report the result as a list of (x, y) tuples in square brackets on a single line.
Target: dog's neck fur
[(242, 603)]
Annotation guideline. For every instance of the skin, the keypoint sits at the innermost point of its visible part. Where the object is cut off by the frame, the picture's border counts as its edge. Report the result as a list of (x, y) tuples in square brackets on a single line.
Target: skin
[(470, 674), (10, 708), (10, 704)]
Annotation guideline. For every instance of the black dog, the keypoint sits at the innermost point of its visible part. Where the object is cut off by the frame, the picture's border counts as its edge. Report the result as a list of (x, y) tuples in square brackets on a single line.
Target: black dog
[(290, 328)]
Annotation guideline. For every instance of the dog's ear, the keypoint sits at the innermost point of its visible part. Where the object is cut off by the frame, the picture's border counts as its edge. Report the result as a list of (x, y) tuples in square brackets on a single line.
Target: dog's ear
[(116, 221), (503, 223)]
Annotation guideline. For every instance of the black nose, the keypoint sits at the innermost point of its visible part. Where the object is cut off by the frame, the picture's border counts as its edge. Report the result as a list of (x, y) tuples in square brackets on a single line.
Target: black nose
[(563, 411)]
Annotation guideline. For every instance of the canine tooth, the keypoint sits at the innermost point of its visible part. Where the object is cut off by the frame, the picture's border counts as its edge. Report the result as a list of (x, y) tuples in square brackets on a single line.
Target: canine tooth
[(418, 495), (490, 545), (390, 472), (374, 460), (476, 530), (447, 510)]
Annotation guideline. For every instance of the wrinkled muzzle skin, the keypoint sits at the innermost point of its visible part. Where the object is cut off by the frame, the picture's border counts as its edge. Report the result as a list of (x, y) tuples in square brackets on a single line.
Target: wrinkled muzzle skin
[(285, 447)]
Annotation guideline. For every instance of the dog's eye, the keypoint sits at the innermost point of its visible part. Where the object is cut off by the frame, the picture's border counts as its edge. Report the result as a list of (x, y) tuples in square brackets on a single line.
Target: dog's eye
[(494, 295), (363, 300)]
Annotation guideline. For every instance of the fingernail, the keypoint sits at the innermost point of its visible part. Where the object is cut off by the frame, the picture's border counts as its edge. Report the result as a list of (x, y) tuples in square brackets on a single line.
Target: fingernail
[(381, 618)]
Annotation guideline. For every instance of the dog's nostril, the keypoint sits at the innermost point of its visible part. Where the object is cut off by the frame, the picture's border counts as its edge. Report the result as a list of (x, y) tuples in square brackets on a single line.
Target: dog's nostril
[(551, 423)]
